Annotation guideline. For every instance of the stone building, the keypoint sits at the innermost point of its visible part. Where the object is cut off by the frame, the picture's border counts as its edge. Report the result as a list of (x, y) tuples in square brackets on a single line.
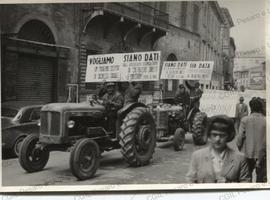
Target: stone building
[(250, 73), (228, 49), (211, 22), (39, 53), (182, 42), (45, 46)]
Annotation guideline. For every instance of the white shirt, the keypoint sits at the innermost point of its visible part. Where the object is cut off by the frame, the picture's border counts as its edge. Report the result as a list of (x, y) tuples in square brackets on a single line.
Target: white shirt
[(218, 161)]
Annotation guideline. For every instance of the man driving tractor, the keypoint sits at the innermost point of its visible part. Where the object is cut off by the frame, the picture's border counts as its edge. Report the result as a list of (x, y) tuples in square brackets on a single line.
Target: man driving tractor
[(113, 101), (182, 96), (195, 94)]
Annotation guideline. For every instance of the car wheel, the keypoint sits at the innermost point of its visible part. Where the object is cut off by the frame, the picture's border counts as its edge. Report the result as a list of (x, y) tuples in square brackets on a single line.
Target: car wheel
[(17, 146)]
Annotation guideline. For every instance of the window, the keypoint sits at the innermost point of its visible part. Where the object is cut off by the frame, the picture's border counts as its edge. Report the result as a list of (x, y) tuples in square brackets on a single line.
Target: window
[(195, 18), (188, 44), (170, 85), (35, 115), (183, 13)]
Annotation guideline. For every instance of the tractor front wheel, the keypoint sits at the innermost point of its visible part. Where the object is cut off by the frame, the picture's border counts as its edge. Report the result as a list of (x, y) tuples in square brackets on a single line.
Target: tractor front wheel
[(31, 157), (179, 139), (84, 159), (138, 137)]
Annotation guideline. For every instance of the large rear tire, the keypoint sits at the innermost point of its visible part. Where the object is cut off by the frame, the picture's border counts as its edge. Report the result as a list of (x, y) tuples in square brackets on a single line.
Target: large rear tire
[(199, 128), (31, 158), (84, 159), (138, 137)]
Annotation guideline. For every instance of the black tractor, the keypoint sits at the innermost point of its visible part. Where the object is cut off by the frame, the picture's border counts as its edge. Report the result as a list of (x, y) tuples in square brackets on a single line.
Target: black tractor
[(81, 128)]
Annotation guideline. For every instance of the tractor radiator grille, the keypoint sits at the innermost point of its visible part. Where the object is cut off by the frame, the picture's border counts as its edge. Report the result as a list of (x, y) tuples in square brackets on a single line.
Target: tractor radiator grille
[(50, 123)]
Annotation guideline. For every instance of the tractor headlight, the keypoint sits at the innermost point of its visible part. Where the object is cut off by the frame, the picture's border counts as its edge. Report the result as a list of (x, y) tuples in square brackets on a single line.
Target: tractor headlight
[(70, 124), (38, 122), (173, 114)]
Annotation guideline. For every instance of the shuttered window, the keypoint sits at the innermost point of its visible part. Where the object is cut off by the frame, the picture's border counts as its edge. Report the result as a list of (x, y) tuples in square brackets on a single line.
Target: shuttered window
[(34, 79)]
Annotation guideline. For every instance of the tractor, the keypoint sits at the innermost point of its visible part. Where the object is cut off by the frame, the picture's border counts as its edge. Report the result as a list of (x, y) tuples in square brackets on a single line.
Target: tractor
[(175, 120), (82, 129)]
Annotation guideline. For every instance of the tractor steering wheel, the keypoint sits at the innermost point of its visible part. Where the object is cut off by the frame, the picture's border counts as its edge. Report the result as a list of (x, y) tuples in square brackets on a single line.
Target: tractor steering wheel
[(94, 101)]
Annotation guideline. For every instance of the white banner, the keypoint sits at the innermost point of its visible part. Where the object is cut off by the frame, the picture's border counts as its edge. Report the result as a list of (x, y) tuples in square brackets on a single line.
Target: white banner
[(140, 66), (188, 70)]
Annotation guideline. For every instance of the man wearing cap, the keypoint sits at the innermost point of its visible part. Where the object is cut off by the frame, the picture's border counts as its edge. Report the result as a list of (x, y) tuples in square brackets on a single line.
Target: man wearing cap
[(240, 112), (113, 101), (252, 134), (182, 96), (218, 163)]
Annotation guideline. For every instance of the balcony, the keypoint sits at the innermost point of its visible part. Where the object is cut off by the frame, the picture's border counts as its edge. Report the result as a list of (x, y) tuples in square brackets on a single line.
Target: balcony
[(134, 11)]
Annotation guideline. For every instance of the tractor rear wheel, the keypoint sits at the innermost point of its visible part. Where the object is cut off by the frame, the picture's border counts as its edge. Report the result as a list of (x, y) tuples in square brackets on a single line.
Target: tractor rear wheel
[(32, 158), (138, 137), (199, 128), (84, 159)]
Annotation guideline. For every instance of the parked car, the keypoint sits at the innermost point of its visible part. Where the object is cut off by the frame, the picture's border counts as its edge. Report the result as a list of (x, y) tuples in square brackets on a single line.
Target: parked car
[(18, 119)]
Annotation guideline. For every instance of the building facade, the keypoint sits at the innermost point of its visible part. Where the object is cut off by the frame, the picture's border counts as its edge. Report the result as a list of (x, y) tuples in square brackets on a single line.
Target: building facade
[(250, 73), (228, 49), (45, 46), (182, 42), (211, 21), (38, 51)]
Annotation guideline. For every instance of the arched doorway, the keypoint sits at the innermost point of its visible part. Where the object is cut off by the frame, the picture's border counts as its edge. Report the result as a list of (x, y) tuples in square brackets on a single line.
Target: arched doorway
[(36, 70), (170, 86)]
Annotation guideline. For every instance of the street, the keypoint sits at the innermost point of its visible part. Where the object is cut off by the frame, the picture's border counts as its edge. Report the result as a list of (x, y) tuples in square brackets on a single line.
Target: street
[(167, 166)]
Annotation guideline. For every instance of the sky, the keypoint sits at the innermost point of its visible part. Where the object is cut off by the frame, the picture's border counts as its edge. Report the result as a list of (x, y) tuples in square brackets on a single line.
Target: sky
[(249, 18)]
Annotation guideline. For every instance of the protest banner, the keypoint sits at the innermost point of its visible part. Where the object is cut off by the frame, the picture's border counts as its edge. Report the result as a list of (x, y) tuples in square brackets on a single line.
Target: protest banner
[(140, 66), (188, 70)]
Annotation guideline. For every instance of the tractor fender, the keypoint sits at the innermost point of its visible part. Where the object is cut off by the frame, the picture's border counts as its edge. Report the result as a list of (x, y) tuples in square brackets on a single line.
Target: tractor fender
[(127, 108)]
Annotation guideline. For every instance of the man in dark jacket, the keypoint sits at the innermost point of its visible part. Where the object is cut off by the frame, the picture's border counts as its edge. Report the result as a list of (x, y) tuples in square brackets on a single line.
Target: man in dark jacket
[(113, 101), (252, 134), (195, 95), (182, 96), (240, 112), (133, 92)]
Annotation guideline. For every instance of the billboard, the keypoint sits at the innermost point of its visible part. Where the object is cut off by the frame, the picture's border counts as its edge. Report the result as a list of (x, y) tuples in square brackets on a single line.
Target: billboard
[(140, 66), (188, 70)]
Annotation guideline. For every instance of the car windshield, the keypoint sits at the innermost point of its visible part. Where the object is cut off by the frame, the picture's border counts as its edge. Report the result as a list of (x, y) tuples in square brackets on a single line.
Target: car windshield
[(9, 112)]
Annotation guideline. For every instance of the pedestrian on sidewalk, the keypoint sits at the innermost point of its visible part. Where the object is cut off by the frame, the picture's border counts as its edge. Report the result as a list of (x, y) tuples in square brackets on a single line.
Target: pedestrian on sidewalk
[(240, 112), (252, 134), (218, 163)]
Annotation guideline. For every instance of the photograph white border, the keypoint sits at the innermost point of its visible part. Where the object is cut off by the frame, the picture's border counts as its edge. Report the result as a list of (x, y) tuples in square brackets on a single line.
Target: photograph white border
[(150, 187)]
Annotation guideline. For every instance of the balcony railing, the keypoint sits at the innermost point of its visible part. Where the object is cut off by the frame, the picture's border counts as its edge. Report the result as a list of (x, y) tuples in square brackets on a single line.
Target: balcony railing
[(136, 11)]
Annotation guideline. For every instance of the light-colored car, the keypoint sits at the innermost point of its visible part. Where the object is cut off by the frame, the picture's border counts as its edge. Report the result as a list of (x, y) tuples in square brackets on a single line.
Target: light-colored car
[(18, 119)]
